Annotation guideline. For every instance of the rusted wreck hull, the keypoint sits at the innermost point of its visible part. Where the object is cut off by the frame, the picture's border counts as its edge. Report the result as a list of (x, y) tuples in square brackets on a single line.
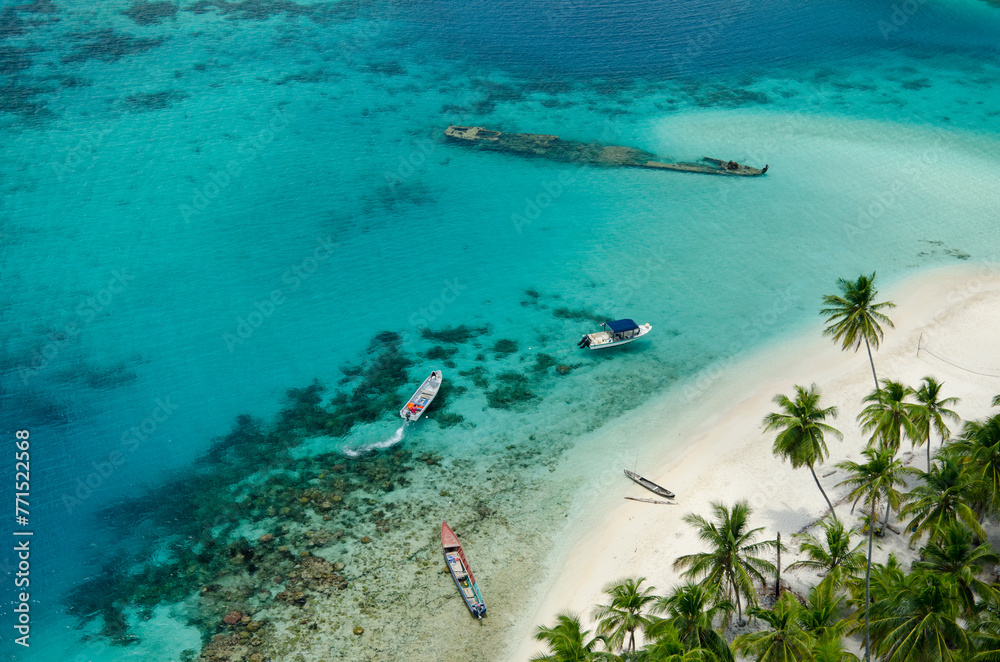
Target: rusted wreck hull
[(571, 151)]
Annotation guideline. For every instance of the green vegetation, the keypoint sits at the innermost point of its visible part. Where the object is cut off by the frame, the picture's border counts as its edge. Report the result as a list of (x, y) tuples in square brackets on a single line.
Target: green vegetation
[(733, 561), (855, 317), (802, 437), (944, 608)]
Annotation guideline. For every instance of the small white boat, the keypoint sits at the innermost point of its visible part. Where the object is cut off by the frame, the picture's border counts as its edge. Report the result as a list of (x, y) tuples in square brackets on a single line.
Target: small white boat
[(617, 332), (421, 400)]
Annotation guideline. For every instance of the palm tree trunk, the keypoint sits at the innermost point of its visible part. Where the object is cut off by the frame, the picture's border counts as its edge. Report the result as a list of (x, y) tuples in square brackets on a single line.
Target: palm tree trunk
[(872, 361), (929, 452), (631, 640), (868, 585), (885, 522), (822, 490)]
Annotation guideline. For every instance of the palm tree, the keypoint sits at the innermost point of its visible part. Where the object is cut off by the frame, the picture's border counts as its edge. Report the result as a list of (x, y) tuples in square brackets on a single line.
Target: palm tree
[(855, 317), (873, 481), (802, 428), (978, 446), (733, 563), (667, 646), (822, 614), (831, 649), (785, 641), (943, 496), (624, 615), (877, 480), (916, 621), (931, 412), (833, 555), (692, 610), (956, 556), (984, 631), (888, 416), (996, 401), (567, 641)]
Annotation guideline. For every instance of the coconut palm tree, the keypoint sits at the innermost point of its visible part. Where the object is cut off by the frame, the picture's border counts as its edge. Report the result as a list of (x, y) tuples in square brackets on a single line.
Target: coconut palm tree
[(624, 615), (833, 555), (801, 437), (854, 317), (877, 480), (692, 609), (984, 632), (733, 561), (978, 446), (888, 416), (916, 621), (955, 555), (785, 641), (873, 481), (823, 612), (667, 646), (567, 642), (930, 414), (944, 495), (831, 649)]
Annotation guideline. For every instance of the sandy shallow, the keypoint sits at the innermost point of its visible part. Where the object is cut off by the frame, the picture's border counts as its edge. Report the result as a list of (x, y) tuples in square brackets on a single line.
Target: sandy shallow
[(706, 443)]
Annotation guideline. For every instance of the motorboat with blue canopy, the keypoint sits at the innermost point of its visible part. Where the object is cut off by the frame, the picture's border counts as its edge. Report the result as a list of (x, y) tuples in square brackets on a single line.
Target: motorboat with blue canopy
[(614, 333)]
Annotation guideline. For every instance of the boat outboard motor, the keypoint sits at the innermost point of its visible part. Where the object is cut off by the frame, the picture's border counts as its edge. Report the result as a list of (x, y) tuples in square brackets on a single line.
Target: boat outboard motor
[(584, 342)]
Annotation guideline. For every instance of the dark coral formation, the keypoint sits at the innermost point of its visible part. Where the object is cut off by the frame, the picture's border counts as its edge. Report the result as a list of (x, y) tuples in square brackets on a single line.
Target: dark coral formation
[(154, 100), (579, 314), (108, 46), (454, 335), (151, 13), (505, 346), (513, 390), (262, 10), (14, 60), (308, 511)]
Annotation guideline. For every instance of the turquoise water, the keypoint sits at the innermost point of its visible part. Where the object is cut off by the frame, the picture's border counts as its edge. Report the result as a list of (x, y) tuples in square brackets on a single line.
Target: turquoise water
[(206, 207)]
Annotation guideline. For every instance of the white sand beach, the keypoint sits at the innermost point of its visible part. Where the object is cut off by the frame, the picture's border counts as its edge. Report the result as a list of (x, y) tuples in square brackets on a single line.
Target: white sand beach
[(713, 447)]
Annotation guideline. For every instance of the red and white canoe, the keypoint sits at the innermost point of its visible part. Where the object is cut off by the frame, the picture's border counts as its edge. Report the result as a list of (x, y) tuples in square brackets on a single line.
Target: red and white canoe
[(454, 557)]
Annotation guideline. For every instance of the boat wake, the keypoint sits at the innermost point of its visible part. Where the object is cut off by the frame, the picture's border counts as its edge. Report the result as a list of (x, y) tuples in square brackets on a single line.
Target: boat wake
[(370, 449)]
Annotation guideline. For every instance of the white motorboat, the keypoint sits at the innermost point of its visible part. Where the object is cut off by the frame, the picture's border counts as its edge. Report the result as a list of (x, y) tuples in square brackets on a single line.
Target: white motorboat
[(614, 333)]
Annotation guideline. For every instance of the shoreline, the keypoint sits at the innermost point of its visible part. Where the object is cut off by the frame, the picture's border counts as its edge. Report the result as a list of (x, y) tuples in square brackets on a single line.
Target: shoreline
[(727, 456)]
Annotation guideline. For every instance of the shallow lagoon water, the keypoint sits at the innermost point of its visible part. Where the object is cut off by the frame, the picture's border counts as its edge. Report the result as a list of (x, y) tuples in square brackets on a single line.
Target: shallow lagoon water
[(206, 210)]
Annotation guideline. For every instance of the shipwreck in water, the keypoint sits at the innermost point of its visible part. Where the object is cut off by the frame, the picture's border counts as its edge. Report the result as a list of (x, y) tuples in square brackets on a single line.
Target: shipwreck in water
[(571, 151)]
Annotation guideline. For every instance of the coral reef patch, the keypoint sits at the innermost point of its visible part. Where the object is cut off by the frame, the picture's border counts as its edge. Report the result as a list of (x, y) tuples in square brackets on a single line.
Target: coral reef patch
[(151, 13), (107, 46)]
